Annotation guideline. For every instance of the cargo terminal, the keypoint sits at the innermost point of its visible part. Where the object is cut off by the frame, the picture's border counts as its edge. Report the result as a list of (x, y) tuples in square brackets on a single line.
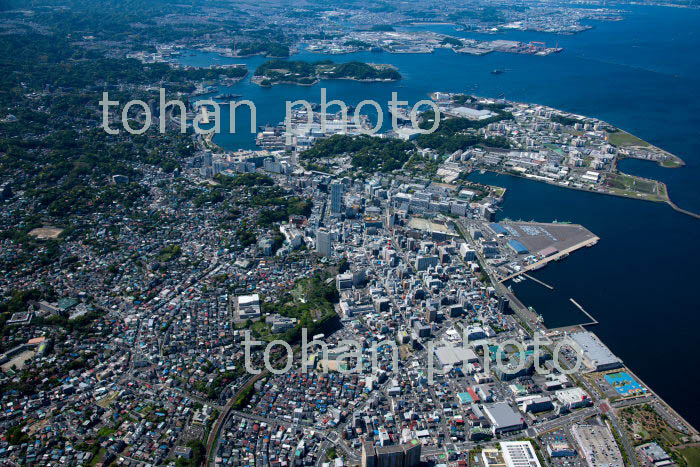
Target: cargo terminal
[(514, 248)]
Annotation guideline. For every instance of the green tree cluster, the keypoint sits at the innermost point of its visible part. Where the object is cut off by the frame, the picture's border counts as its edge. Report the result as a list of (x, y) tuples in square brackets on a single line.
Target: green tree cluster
[(368, 153)]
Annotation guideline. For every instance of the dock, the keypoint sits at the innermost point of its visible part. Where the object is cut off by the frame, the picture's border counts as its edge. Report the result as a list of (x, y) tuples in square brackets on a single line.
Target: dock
[(538, 281), (561, 254), (592, 321)]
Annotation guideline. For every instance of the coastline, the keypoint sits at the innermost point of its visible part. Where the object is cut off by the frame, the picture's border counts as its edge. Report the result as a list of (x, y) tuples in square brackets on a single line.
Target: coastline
[(258, 81), (667, 200), (529, 318), (572, 187), (678, 162)]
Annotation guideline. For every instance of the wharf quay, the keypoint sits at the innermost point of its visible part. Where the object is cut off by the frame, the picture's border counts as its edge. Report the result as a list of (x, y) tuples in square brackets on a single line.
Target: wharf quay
[(559, 255), (576, 327), (664, 409), (538, 281), (592, 321)]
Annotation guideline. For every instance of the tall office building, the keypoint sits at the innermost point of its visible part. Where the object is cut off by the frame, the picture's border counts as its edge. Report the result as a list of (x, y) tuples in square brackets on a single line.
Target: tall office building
[(324, 244), (336, 198)]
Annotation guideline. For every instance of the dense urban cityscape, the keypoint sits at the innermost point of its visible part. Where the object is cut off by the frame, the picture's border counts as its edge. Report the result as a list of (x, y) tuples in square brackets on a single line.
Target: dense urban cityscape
[(337, 293)]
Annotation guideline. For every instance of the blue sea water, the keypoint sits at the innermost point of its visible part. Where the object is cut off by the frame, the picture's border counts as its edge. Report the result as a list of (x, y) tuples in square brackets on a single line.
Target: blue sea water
[(641, 74)]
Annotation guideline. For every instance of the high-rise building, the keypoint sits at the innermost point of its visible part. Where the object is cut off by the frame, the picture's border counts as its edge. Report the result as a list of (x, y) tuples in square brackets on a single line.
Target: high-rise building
[(390, 456), (369, 454), (324, 244), (424, 262), (336, 198), (207, 160), (390, 219), (393, 455), (503, 304), (411, 453)]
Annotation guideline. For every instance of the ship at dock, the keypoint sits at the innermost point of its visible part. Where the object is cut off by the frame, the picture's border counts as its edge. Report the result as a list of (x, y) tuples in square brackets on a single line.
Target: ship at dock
[(227, 95)]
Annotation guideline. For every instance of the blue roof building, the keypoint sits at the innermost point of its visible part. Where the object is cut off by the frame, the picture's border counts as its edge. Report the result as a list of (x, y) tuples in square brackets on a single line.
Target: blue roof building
[(518, 247)]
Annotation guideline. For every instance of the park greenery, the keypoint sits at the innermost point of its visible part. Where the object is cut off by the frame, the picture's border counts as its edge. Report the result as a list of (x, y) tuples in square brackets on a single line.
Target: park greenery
[(359, 71), (243, 397), (368, 153), (292, 71), (199, 451), (566, 121), (311, 303), (372, 154), (458, 133), (169, 253)]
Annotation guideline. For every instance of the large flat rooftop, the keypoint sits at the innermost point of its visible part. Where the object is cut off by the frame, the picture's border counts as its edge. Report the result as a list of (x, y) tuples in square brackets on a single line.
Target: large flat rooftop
[(539, 237), (595, 353)]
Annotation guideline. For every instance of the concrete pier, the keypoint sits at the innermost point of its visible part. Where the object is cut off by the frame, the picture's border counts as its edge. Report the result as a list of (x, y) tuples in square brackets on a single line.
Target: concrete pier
[(538, 281), (593, 320)]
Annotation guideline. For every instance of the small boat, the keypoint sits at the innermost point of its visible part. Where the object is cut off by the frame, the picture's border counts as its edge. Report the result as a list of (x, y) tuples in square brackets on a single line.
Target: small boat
[(497, 72)]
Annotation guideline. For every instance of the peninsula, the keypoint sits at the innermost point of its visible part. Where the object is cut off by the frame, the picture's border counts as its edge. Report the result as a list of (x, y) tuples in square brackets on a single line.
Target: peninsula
[(475, 133)]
